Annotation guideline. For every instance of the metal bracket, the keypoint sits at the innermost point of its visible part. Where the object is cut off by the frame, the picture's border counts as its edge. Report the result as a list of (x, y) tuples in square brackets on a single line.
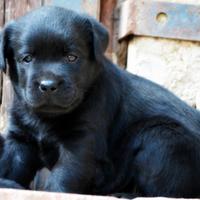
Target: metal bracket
[(160, 19)]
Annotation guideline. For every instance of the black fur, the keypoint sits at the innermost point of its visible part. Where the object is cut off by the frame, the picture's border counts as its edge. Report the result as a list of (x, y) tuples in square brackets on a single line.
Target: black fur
[(97, 128)]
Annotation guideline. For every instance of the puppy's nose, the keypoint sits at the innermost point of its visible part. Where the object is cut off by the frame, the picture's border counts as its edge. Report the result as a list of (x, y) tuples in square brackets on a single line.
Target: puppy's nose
[(48, 85)]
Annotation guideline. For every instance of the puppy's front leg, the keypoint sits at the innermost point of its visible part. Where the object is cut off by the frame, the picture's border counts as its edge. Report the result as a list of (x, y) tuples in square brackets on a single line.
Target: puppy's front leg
[(18, 162), (75, 168)]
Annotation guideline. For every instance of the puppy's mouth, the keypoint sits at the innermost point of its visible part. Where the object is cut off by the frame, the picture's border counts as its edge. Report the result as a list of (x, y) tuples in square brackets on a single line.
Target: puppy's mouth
[(52, 106), (51, 109), (57, 109)]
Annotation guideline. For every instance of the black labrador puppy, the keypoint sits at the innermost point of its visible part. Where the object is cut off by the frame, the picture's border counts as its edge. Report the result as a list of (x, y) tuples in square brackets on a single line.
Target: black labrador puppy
[(98, 129)]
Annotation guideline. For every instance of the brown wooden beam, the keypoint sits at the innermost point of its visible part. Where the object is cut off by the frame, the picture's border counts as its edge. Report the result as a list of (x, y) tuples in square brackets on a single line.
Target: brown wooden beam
[(106, 17), (1, 13), (16, 8)]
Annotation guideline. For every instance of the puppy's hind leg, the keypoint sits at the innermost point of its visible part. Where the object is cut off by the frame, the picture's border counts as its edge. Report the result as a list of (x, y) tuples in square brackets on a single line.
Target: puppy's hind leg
[(167, 162)]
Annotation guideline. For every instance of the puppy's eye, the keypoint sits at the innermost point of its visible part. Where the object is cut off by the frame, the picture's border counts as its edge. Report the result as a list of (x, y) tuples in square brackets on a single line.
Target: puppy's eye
[(71, 58), (27, 58)]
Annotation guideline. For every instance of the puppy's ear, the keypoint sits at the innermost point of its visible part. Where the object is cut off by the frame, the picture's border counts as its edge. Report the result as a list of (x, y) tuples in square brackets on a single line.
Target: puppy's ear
[(4, 37), (2, 51), (100, 37)]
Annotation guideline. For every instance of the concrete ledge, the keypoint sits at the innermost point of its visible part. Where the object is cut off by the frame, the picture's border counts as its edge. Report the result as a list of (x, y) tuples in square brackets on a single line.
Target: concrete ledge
[(11, 194)]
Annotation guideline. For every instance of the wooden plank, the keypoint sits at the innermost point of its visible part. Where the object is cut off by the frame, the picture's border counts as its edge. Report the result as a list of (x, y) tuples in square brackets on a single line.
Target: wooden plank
[(1, 25), (92, 7), (107, 18), (46, 2), (1, 13), (16, 8), (7, 96), (70, 4)]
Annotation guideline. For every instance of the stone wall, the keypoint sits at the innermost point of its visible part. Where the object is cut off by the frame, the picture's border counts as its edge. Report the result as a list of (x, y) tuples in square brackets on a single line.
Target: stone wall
[(174, 64)]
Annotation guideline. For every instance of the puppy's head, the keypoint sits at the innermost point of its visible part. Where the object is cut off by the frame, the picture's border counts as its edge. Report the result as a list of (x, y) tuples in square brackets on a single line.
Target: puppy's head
[(54, 56)]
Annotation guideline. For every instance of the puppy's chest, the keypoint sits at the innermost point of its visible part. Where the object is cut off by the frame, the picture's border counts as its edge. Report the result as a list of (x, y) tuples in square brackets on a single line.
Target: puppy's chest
[(48, 147), (50, 142)]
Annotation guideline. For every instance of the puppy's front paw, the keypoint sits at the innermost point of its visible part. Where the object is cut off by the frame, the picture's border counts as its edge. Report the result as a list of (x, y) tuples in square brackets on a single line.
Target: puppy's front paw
[(5, 183), (125, 195)]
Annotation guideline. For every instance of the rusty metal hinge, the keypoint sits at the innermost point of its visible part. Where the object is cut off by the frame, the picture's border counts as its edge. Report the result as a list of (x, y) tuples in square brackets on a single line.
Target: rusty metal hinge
[(160, 19)]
